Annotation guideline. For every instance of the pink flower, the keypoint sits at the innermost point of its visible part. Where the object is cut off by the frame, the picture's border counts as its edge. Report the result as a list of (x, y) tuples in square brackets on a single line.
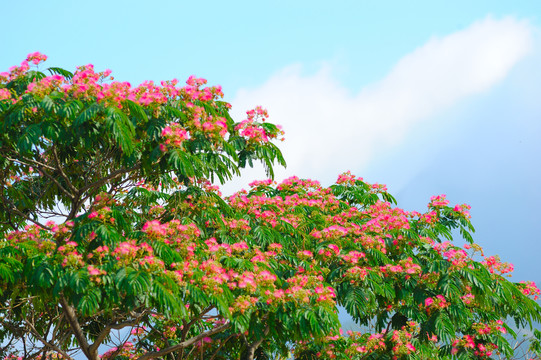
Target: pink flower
[(239, 246), (306, 253), (5, 94), (167, 131), (438, 200), (36, 57), (93, 271), (154, 228)]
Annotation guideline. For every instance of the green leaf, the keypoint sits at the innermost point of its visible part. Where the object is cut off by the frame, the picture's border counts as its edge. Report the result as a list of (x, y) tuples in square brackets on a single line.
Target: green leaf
[(90, 302), (48, 104), (43, 276), (70, 109), (6, 273), (87, 114), (166, 301), (444, 328), (136, 111), (121, 128), (65, 73), (29, 138)]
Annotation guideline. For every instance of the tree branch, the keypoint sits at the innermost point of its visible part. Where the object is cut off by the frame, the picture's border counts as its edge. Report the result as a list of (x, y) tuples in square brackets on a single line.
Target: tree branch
[(46, 343), (106, 331), (250, 351), (187, 326), (111, 176), (62, 173), (20, 213), (4, 349), (29, 160), (184, 344), (76, 328), (222, 344), (42, 170)]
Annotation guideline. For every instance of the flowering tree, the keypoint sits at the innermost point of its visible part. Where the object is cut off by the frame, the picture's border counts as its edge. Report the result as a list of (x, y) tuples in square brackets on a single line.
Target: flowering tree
[(114, 243)]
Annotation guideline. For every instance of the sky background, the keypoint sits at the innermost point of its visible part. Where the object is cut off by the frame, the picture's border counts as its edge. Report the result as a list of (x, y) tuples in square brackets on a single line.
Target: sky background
[(427, 97)]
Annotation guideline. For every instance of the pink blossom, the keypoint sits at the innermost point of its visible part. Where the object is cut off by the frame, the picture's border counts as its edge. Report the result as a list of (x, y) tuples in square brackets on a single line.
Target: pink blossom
[(92, 270)]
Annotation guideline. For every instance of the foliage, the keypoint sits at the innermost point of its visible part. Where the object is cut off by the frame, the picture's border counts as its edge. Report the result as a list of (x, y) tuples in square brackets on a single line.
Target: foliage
[(149, 257)]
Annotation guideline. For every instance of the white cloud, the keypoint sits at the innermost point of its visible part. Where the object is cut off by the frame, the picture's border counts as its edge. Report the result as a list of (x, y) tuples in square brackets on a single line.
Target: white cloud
[(330, 130)]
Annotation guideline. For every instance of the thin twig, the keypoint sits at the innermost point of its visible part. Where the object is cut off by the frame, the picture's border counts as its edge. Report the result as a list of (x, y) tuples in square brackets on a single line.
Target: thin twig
[(46, 343), (62, 173), (184, 344)]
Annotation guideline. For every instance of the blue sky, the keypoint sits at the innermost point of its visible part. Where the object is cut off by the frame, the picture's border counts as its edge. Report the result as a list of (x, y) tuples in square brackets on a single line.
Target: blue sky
[(428, 97)]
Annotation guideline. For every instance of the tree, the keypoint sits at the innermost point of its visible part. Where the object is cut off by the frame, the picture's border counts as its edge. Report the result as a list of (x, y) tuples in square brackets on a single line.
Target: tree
[(113, 234)]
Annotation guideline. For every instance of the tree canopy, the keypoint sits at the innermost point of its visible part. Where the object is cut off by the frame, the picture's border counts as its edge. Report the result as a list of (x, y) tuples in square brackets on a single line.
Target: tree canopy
[(115, 244)]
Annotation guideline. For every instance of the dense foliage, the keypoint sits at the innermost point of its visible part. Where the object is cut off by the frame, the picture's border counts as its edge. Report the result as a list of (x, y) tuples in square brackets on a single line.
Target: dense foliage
[(111, 233)]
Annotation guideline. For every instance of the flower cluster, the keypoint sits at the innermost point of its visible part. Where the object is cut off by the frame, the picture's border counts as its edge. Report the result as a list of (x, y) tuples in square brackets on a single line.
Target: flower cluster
[(127, 252), (468, 298), (438, 201), (477, 343), (357, 345), (436, 303), (402, 339), (70, 256), (468, 343), (126, 351), (457, 257), (405, 266), (14, 72), (95, 273), (463, 210), (4, 94), (348, 178), (36, 57), (373, 343), (494, 265), (529, 288), (86, 84), (491, 328), (252, 128)]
